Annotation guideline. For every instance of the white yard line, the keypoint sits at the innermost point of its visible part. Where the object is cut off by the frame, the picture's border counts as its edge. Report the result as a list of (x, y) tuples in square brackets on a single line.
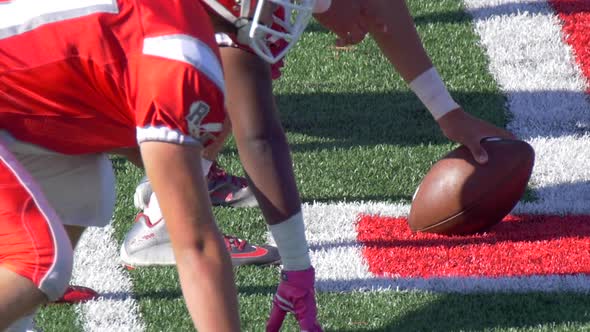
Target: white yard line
[(96, 265), (340, 266), (545, 90)]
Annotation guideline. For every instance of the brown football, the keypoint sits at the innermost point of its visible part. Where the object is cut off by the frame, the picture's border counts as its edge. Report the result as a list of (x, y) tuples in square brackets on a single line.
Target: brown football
[(458, 196)]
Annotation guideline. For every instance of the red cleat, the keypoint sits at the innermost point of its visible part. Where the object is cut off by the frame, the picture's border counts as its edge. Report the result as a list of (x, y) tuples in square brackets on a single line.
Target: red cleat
[(77, 294)]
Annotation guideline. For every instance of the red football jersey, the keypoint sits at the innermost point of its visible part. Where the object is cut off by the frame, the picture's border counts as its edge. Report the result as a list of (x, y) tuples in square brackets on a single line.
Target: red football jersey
[(84, 76)]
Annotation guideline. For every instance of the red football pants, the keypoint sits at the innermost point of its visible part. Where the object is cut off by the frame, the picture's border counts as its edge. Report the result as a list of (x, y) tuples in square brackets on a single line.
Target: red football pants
[(33, 241)]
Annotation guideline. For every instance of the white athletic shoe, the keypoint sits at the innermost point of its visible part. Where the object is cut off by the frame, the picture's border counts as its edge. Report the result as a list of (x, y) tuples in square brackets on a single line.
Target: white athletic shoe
[(148, 242)]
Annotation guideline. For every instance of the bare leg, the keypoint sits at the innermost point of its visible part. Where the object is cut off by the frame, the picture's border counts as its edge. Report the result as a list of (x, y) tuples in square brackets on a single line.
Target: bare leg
[(19, 297)]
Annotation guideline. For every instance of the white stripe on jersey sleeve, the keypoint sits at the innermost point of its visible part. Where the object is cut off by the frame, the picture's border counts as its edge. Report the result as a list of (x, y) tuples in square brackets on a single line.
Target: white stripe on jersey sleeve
[(164, 134), (187, 49), (21, 16)]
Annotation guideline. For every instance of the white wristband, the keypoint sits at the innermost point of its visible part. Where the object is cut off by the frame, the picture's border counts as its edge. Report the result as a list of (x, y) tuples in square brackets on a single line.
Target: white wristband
[(321, 6), (433, 93)]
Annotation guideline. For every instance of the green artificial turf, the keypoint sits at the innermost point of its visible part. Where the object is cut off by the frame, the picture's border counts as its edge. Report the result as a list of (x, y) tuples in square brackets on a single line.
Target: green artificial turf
[(357, 133)]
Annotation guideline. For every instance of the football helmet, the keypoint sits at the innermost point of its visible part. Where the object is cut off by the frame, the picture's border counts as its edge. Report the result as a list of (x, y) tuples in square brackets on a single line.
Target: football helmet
[(255, 29)]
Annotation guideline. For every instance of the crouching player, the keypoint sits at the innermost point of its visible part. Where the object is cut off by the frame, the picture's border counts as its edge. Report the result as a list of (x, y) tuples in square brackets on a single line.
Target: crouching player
[(250, 64), (259, 135), (78, 80), (148, 243)]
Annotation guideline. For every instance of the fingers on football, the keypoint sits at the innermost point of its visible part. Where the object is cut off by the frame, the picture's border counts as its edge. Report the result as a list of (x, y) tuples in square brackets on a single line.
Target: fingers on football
[(479, 153)]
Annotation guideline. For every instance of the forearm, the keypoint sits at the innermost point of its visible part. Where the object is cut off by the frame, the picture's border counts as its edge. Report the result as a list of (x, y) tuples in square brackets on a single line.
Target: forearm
[(208, 285), (203, 263), (267, 160), (399, 41), (392, 26), (261, 141)]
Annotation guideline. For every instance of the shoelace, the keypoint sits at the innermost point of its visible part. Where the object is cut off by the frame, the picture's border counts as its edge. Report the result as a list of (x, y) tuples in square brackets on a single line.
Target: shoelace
[(217, 173), (232, 241)]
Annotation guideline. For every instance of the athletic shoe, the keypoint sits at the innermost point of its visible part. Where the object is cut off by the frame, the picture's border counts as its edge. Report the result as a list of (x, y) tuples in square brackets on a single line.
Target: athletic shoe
[(77, 294), (142, 194), (224, 190), (244, 253), (148, 243), (229, 190), (296, 295)]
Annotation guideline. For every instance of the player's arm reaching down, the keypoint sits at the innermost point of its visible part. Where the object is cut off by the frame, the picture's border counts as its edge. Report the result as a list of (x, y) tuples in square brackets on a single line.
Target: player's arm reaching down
[(171, 158), (203, 264), (391, 25), (266, 157), (204, 268), (179, 100)]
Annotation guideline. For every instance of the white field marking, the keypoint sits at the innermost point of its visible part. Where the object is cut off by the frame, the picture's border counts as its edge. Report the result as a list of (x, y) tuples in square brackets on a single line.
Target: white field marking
[(96, 265), (545, 90), (337, 257), (561, 177)]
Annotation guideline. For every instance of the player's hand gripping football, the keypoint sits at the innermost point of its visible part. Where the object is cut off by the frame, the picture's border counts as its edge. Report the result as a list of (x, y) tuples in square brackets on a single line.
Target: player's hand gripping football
[(296, 295), (460, 127)]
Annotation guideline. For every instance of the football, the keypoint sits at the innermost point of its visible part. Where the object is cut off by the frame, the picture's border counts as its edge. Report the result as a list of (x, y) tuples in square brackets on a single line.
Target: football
[(458, 196)]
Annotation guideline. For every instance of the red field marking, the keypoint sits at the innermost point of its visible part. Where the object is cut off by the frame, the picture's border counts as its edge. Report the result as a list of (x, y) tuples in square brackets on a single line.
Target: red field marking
[(518, 246), (575, 15)]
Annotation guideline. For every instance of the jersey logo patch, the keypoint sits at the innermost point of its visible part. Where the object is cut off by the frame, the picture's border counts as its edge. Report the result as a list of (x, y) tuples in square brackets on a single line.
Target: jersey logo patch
[(197, 112)]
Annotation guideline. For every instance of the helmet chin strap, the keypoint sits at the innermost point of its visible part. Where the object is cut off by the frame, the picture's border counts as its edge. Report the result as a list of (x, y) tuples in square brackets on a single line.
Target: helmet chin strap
[(243, 26)]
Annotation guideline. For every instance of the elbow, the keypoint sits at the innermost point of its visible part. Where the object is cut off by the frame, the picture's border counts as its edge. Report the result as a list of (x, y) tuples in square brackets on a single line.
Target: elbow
[(201, 253)]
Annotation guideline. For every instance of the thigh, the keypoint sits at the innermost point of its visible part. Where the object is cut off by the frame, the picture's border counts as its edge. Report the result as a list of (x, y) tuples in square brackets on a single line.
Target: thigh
[(81, 188), (20, 296), (33, 242)]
